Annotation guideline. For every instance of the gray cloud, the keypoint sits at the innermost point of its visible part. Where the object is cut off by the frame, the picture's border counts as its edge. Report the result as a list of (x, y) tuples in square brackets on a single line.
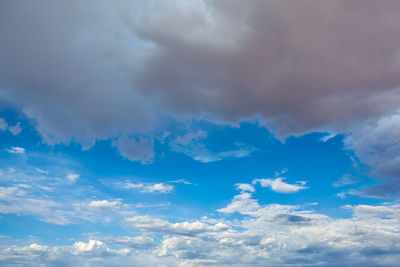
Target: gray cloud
[(302, 65), (140, 149), (90, 70), (62, 65)]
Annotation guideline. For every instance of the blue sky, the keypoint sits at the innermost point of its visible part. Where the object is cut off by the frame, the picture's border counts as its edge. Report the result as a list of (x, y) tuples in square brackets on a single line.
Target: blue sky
[(196, 133)]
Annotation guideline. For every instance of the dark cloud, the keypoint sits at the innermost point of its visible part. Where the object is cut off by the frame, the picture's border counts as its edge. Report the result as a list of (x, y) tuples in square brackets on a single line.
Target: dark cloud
[(302, 66), (62, 64), (86, 70)]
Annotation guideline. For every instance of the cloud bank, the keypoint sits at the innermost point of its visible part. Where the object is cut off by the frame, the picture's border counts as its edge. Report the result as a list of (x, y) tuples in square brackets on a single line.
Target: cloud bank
[(88, 70), (258, 235)]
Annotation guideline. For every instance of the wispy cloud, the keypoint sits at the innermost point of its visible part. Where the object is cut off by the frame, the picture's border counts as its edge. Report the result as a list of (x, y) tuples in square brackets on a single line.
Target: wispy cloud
[(181, 181), (346, 179), (193, 144), (41, 171), (16, 150), (156, 188)]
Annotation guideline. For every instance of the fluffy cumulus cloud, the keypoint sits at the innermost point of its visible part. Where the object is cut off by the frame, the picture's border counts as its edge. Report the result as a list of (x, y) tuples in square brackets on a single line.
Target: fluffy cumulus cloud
[(244, 232), (279, 186), (245, 187), (156, 225), (247, 233), (97, 70)]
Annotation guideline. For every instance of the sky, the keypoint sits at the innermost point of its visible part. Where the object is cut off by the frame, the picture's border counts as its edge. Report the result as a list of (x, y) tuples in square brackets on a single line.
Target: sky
[(199, 133)]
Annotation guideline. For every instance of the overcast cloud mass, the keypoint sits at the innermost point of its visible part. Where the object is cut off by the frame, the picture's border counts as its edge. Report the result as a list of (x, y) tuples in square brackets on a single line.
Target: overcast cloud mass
[(148, 78)]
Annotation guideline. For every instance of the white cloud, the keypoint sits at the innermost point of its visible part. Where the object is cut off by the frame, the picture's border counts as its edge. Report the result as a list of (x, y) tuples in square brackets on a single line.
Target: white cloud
[(156, 225), (92, 245), (245, 187), (150, 188), (24, 199), (258, 235), (104, 204), (18, 201), (242, 203), (181, 181), (158, 188), (72, 177), (327, 137), (41, 171), (133, 186), (16, 150), (279, 186)]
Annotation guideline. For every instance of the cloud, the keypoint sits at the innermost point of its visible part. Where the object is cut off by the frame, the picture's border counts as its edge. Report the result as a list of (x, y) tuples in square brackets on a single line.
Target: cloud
[(57, 208), (41, 171), (295, 81), (72, 177), (181, 181), (193, 145), (80, 253), (242, 203), (346, 179), (279, 186), (245, 187), (17, 201), (156, 225), (138, 242), (104, 204), (16, 129), (92, 245), (99, 71), (16, 150), (157, 188), (257, 235), (377, 144), (3, 124), (77, 63), (136, 149)]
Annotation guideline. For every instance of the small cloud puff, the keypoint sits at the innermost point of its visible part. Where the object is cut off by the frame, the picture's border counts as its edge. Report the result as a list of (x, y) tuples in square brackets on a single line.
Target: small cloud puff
[(150, 188), (245, 187), (72, 177), (279, 186)]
